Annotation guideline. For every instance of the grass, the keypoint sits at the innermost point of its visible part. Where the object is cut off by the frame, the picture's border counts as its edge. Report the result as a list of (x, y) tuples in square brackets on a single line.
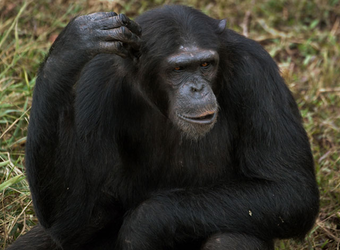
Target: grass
[(303, 37)]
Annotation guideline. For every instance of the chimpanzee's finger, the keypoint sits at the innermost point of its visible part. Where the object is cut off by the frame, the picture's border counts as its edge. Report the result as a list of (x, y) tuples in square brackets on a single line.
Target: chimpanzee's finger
[(114, 48), (131, 25), (100, 15), (116, 22), (122, 34)]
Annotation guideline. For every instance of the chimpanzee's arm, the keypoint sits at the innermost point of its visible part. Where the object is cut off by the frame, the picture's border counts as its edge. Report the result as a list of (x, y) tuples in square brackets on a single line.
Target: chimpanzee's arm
[(283, 205), (53, 154), (82, 39)]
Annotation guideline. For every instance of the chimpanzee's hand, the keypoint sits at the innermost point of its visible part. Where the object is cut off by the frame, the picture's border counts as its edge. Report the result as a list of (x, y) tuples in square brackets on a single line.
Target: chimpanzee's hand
[(102, 32)]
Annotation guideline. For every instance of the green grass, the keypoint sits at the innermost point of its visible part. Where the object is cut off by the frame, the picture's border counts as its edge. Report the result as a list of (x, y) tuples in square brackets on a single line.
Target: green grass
[(303, 37)]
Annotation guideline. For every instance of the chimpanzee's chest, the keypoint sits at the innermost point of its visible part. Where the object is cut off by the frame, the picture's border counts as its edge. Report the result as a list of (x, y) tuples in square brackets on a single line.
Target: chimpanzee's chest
[(179, 162)]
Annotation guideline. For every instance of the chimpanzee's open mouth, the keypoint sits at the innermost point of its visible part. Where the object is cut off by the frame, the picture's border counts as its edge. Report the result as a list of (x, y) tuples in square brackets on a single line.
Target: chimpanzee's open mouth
[(204, 118)]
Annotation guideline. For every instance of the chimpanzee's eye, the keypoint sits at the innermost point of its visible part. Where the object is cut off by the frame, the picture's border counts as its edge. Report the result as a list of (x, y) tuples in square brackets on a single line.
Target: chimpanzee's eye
[(205, 65)]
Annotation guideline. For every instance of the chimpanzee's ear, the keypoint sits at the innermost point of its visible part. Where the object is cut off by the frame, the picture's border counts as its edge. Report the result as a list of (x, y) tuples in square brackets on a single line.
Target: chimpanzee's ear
[(222, 26)]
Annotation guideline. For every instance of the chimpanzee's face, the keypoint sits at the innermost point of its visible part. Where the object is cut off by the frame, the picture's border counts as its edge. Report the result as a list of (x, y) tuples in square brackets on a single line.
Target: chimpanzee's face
[(191, 73)]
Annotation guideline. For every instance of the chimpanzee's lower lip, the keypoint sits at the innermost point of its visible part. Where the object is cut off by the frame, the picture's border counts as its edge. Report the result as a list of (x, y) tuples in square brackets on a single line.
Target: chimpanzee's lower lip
[(205, 118)]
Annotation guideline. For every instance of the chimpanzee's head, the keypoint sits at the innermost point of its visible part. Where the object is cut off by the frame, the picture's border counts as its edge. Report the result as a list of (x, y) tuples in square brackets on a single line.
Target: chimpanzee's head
[(181, 66)]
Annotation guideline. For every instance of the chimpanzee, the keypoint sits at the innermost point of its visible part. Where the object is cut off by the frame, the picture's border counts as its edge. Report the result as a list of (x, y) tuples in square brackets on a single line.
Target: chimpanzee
[(170, 132)]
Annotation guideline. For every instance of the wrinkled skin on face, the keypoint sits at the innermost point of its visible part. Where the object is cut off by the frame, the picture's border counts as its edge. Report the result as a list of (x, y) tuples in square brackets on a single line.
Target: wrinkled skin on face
[(190, 73)]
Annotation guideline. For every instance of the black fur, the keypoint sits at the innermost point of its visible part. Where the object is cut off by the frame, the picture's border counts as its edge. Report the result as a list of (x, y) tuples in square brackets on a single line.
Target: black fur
[(109, 170)]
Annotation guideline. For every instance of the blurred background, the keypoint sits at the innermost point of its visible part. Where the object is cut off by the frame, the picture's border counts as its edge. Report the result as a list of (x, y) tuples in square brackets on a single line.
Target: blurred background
[(302, 36)]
